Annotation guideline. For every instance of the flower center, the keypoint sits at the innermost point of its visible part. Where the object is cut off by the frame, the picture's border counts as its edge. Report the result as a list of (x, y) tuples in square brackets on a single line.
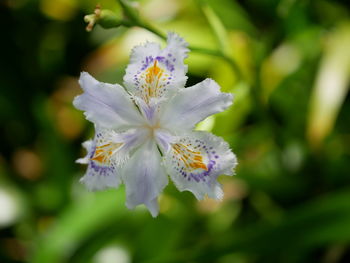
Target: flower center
[(152, 129)]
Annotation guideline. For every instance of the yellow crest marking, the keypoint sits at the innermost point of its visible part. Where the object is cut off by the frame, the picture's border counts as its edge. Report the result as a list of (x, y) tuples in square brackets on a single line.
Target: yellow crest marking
[(191, 159), (103, 152)]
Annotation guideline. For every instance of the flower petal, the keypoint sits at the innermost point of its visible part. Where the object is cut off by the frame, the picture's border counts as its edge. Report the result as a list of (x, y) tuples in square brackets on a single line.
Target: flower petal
[(106, 105), (88, 145), (144, 177), (164, 139), (106, 153), (102, 168), (191, 105), (153, 74), (196, 160)]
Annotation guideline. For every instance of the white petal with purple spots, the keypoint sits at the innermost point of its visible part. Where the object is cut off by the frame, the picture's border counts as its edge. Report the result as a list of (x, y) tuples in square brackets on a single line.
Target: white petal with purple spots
[(196, 160), (154, 74), (102, 169)]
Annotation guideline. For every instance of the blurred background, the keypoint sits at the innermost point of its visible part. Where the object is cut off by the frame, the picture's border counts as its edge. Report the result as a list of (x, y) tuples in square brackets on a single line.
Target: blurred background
[(289, 127)]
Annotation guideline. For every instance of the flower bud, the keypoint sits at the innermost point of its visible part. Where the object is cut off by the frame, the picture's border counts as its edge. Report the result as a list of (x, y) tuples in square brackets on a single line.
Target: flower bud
[(105, 18)]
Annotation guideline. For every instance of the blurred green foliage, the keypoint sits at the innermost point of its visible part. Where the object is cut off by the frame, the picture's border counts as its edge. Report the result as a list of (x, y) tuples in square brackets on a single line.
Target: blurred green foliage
[(289, 127)]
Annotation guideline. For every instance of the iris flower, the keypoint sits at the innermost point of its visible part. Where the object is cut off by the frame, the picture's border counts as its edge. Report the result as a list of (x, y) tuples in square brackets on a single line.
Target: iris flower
[(144, 130)]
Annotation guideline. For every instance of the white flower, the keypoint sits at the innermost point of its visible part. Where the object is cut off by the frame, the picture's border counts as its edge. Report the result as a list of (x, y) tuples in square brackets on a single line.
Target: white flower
[(145, 131)]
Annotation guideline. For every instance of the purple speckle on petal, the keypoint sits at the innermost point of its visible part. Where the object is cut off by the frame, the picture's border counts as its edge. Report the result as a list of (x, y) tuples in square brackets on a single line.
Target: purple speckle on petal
[(102, 170), (160, 58)]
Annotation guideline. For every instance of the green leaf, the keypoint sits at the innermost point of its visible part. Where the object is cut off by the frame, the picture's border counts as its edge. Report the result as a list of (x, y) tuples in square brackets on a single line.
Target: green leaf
[(76, 223)]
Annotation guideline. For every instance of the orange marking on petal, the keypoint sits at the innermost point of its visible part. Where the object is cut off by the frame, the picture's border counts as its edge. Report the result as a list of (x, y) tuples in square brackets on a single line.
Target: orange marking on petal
[(200, 165), (191, 159), (153, 76), (185, 162), (198, 158), (103, 152)]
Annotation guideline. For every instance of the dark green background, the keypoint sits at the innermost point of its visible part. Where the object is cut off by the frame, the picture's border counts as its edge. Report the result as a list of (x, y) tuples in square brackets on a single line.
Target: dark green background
[(290, 198)]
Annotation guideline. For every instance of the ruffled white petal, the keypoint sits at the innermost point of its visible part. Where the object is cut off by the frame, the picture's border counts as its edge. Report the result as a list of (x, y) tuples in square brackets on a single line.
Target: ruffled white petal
[(153, 74), (102, 169), (144, 177), (106, 154), (106, 105), (196, 160), (191, 105), (88, 145), (177, 46)]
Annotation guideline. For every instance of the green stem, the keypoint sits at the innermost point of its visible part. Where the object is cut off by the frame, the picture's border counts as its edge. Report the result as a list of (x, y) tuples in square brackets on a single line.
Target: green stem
[(150, 28)]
